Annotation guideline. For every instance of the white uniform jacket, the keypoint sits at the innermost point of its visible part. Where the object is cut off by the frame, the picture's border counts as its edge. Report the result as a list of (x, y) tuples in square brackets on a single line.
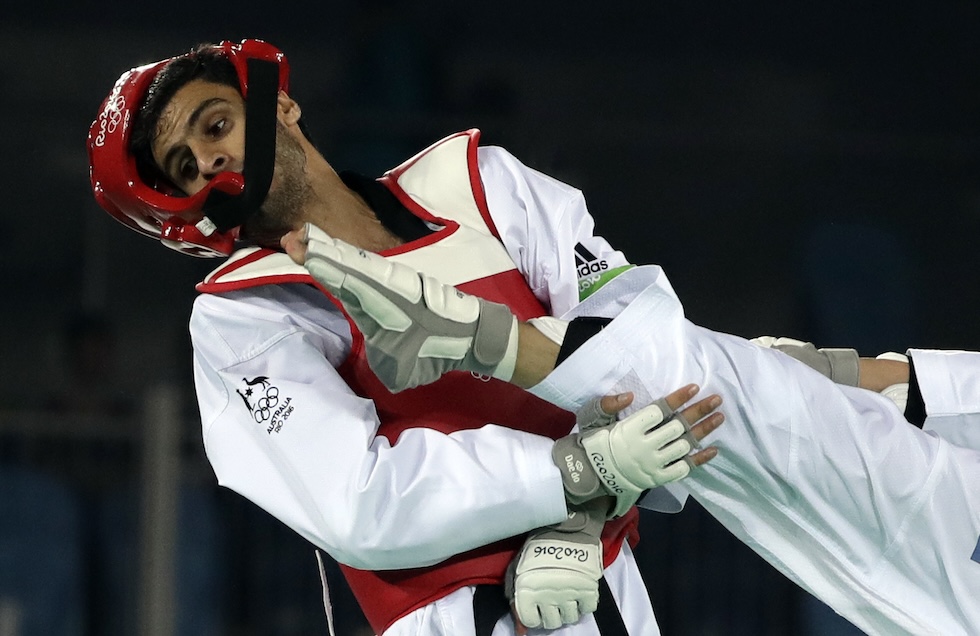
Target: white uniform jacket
[(283, 429)]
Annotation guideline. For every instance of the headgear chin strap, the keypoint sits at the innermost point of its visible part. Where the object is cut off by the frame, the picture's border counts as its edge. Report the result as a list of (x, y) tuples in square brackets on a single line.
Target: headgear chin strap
[(223, 210)]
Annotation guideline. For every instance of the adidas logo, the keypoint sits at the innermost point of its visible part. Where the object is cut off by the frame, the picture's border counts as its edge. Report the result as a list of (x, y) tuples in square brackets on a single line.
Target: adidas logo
[(586, 262)]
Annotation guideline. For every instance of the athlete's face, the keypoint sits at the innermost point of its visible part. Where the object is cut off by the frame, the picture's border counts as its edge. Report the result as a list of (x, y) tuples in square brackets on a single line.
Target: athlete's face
[(201, 133)]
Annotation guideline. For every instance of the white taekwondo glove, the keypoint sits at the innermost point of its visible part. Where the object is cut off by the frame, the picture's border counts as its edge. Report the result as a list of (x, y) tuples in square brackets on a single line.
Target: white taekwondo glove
[(554, 580), (416, 329), (840, 365), (648, 448)]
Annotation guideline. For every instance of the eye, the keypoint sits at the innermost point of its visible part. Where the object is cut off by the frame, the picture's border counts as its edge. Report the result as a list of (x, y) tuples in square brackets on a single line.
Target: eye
[(216, 128), (187, 169)]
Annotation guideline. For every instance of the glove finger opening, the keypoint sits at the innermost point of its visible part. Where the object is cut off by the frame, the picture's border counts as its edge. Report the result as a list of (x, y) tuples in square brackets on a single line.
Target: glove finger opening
[(550, 617), (676, 450), (569, 612), (528, 612), (688, 429)]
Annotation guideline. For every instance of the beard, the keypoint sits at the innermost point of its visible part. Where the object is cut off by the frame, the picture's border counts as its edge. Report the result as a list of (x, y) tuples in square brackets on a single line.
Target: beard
[(290, 191)]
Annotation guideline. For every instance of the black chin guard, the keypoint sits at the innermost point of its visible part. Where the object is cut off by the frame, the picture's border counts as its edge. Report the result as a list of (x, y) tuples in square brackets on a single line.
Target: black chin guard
[(227, 211)]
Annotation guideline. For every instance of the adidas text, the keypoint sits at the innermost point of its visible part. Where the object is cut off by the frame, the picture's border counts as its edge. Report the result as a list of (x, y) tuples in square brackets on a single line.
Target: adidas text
[(592, 268)]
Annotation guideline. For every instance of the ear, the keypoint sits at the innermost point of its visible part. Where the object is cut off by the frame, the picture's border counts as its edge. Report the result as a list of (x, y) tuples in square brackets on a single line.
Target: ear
[(289, 110)]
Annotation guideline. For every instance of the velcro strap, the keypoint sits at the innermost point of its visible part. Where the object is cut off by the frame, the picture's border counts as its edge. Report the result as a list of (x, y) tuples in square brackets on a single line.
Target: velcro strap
[(580, 557)]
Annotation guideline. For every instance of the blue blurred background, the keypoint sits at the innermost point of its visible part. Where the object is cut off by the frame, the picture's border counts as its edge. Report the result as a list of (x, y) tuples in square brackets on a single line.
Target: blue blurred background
[(798, 169)]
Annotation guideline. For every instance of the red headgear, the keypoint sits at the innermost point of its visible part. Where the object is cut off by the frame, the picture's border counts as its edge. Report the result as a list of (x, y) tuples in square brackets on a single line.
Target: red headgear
[(148, 208)]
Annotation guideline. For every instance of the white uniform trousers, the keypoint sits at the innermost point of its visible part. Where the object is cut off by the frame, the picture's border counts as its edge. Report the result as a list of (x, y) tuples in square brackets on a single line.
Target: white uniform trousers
[(829, 484)]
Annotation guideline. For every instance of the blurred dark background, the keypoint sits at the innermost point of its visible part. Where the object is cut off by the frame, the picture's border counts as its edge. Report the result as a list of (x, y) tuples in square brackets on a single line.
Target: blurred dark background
[(798, 169)]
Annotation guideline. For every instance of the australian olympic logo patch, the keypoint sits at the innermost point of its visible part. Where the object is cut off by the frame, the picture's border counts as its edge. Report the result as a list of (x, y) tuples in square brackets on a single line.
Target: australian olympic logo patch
[(264, 401)]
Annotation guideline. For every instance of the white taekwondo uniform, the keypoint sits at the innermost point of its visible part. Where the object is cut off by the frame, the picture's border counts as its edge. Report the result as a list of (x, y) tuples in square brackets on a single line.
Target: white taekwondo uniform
[(283, 426), (791, 480), (830, 484), (949, 383)]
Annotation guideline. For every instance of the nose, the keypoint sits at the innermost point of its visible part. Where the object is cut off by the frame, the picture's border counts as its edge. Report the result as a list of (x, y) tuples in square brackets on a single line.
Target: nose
[(212, 161)]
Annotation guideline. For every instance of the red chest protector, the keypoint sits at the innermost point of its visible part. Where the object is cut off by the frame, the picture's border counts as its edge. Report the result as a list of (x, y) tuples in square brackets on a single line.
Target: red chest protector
[(441, 185)]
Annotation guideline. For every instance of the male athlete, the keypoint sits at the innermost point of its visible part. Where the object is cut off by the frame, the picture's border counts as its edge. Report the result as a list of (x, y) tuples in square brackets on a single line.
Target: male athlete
[(425, 496), (876, 517)]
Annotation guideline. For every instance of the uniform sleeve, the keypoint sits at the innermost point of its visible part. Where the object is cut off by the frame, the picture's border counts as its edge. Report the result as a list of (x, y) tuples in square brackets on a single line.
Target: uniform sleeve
[(283, 429), (949, 382), (547, 230)]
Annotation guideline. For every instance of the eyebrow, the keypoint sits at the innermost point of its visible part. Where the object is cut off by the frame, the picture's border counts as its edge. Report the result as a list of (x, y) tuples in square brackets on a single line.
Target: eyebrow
[(191, 121)]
